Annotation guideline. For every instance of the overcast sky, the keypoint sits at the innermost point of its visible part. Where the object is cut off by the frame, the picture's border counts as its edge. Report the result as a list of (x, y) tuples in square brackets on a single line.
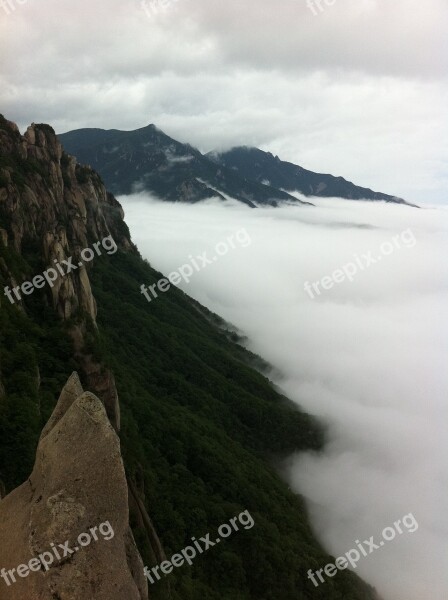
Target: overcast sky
[(357, 89)]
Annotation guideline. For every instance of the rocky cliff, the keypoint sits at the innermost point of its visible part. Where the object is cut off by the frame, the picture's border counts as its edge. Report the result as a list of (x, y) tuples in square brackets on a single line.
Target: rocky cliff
[(53, 208), (77, 496), (49, 203)]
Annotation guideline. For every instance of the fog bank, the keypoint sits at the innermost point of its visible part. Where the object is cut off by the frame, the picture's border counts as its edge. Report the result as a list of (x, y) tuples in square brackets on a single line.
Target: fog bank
[(368, 355)]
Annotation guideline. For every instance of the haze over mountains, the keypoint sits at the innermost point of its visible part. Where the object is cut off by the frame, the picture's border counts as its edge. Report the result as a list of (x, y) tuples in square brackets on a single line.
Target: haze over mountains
[(367, 356), (149, 160)]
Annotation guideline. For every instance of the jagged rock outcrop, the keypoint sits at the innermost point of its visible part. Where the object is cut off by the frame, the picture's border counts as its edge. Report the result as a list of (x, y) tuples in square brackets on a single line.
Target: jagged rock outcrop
[(78, 483), (56, 207), (52, 207)]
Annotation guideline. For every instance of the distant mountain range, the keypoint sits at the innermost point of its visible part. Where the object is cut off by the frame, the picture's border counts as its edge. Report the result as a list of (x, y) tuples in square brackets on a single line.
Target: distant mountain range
[(149, 160), (264, 167)]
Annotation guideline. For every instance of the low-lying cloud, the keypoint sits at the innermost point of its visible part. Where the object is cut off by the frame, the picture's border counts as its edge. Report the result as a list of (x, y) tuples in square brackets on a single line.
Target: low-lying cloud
[(367, 356)]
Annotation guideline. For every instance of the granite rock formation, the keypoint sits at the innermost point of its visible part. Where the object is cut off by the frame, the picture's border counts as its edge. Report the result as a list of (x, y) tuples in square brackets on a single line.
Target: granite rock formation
[(78, 483)]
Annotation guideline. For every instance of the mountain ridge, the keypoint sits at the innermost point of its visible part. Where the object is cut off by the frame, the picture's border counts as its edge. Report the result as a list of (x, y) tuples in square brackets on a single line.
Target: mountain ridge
[(259, 165), (146, 159)]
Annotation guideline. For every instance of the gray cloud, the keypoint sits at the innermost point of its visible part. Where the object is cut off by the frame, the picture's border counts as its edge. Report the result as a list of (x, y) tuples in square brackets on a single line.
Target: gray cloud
[(359, 90), (368, 357)]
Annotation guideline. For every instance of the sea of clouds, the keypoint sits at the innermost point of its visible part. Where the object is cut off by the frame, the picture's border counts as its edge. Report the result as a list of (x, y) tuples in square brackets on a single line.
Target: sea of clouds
[(367, 356)]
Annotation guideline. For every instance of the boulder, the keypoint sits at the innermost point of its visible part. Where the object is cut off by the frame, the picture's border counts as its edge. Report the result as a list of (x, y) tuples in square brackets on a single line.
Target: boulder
[(77, 493)]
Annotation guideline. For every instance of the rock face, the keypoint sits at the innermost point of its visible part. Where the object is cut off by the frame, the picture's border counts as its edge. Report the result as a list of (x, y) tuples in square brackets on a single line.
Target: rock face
[(78, 484), (53, 206)]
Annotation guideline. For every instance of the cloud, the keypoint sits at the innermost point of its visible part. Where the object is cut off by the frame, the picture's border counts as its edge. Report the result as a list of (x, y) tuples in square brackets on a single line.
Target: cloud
[(359, 90), (368, 357), (404, 38)]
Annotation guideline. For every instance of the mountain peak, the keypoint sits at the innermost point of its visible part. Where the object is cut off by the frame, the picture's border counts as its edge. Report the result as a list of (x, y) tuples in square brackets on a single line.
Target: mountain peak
[(149, 160)]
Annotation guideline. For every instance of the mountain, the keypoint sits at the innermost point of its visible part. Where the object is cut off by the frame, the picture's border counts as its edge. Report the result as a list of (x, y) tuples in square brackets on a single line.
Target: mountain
[(264, 167), (201, 428), (147, 159)]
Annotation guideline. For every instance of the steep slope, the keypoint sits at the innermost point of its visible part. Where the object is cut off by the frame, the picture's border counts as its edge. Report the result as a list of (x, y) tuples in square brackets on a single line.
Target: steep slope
[(263, 167), (200, 428), (147, 159)]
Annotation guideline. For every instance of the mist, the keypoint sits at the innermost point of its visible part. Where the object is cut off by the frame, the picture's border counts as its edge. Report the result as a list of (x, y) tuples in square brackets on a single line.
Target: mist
[(368, 356)]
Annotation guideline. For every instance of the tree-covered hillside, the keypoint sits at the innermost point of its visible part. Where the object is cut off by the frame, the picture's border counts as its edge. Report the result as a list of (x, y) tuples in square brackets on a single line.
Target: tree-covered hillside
[(200, 429)]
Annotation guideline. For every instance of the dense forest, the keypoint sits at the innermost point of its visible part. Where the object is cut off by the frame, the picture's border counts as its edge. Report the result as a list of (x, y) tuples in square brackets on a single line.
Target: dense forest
[(200, 426)]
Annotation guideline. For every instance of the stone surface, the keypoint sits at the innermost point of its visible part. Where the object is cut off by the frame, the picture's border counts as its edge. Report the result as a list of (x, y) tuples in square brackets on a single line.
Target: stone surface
[(78, 483), (58, 206)]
